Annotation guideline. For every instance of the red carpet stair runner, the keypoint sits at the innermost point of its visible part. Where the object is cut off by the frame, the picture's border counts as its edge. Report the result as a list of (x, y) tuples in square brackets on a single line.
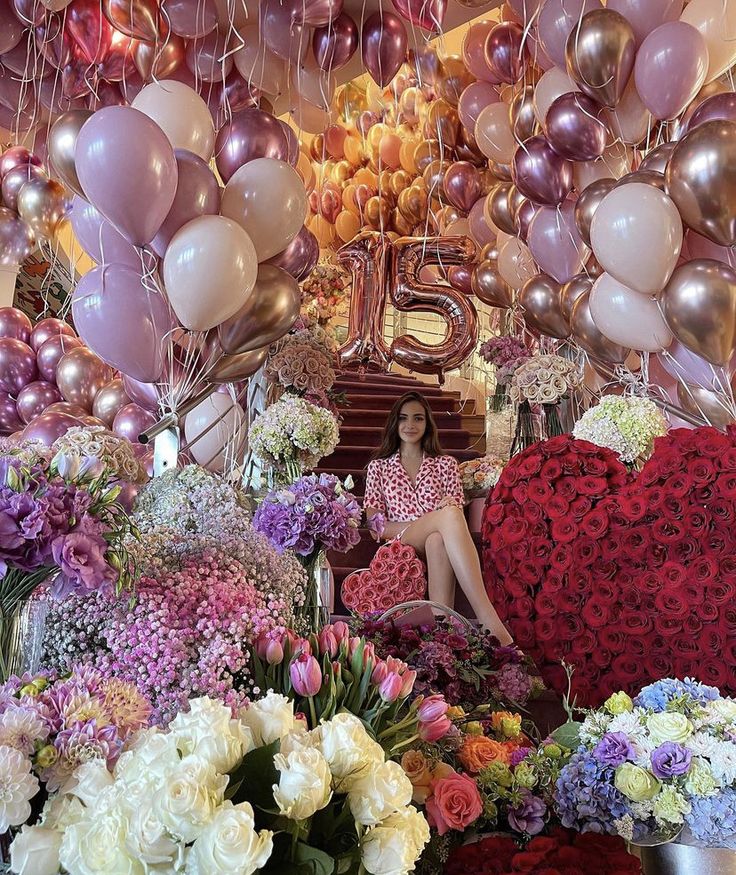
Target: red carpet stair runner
[(369, 399)]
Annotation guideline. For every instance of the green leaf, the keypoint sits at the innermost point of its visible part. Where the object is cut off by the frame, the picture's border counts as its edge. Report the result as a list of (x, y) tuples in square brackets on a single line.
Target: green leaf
[(313, 861), (568, 735), (255, 777)]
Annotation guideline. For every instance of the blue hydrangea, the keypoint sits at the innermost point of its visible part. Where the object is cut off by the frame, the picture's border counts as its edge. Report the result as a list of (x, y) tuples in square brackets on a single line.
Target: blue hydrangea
[(586, 797), (712, 819), (658, 695)]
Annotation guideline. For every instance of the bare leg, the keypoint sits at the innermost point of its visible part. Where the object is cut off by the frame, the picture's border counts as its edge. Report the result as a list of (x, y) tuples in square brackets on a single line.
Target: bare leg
[(450, 523), (441, 575)]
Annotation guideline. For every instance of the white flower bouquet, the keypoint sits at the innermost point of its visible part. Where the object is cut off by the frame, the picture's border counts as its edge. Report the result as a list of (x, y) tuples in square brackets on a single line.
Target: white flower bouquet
[(221, 796), (480, 475), (293, 433), (627, 425), (544, 379)]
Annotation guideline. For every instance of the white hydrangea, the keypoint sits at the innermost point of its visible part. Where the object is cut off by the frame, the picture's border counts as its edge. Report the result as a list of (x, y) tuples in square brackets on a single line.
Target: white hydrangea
[(294, 430), (594, 727), (627, 425)]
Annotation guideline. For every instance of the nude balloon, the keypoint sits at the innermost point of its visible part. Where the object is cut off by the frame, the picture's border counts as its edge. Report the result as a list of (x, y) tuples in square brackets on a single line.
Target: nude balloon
[(716, 21), (109, 400), (181, 114), (213, 446), (627, 317)]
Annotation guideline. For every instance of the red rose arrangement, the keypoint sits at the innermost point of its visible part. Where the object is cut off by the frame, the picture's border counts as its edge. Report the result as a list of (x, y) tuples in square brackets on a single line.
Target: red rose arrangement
[(630, 578), (562, 852), (396, 574)]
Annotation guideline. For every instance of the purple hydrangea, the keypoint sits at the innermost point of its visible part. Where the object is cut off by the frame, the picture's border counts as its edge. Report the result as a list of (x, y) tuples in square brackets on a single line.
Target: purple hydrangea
[(658, 695), (712, 819), (613, 749), (670, 760), (586, 797)]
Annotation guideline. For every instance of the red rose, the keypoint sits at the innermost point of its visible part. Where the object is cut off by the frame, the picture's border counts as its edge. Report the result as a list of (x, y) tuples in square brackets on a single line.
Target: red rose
[(580, 506), (518, 551), (633, 507), (494, 513), (539, 491), (596, 612), (668, 531), (636, 624), (703, 494), (716, 545), (686, 549), (662, 665), (523, 607), (611, 547), (589, 485), (558, 443), (709, 612), (546, 604), (533, 513), (672, 604), (713, 672), (511, 475), (722, 509), (523, 631), (516, 587), (704, 569), (720, 592), (631, 598), (693, 625), (656, 496), (561, 557), (675, 507), (595, 523), (586, 642), (546, 628), (585, 551), (570, 601), (728, 459), (557, 507), (612, 638), (564, 531), (667, 627), (634, 540), (625, 669), (712, 443), (551, 469), (519, 493), (595, 466), (513, 530), (679, 484), (567, 488), (529, 463), (600, 656)]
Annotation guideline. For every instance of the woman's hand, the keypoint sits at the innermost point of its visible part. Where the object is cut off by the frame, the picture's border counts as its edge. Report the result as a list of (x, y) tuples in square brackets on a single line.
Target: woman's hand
[(448, 501)]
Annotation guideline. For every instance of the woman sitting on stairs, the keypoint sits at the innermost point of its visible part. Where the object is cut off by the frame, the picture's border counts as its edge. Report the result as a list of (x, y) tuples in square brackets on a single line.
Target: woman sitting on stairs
[(414, 492)]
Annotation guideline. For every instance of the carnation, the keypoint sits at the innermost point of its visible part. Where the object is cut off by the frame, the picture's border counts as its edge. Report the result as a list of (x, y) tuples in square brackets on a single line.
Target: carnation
[(627, 425)]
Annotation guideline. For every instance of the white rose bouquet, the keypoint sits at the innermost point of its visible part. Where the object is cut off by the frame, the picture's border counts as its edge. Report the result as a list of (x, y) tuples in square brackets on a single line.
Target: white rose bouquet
[(627, 425), (215, 795), (544, 379)]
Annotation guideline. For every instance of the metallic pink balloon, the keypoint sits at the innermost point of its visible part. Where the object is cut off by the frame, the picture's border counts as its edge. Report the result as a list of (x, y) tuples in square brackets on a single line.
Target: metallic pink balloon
[(146, 395), (646, 15), (131, 420), (318, 13), (384, 43), (462, 185), (80, 376), (17, 365), (574, 127), (335, 44), (74, 410), (208, 57), (427, 14), (719, 106), (555, 242), (293, 143), (34, 398), (51, 352), (300, 256), (16, 156), (48, 427), (480, 230), (17, 241), (540, 173), (281, 32), (250, 134), (15, 323), (523, 218), (49, 327), (557, 18), (505, 51), (15, 179), (99, 239), (9, 419), (476, 97), (191, 18), (109, 400), (460, 277)]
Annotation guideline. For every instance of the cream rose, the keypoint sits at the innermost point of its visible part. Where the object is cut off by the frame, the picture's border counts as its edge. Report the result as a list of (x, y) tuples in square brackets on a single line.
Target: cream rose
[(378, 793), (186, 801), (96, 846), (209, 732), (91, 779), (723, 709), (669, 726), (348, 749), (636, 783), (269, 719), (148, 839), (394, 846), (35, 851), (230, 844), (304, 783)]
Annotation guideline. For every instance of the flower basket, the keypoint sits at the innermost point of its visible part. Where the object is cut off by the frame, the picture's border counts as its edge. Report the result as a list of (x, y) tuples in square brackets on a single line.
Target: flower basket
[(419, 603), (676, 859)]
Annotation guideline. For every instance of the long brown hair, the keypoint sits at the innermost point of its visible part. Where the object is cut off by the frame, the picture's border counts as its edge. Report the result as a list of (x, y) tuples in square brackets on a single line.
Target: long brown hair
[(390, 442)]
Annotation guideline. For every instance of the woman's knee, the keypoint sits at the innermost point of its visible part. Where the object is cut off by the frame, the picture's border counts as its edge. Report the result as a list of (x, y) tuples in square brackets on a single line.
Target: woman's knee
[(451, 515), (435, 543)]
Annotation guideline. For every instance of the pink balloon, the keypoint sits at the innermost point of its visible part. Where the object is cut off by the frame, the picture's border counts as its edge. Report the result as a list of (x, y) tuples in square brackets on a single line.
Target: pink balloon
[(146, 395), (719, 106), (574, 127), (124, 160), (384, 46), (480, 231), (98, 238), (460, 276), (48, 427), (208, 57), (524, 215), (131, 421), (16, 156), (191, 18), (49, 327), (17, 365), (461, 184), (540, 173), (427, 14), (335, 44), (9, 419), (34, 398), (539, 57), (525, 10), (300, 256), (505, 51), (670, 68), (646, 15), (477, 96), (474, 51), (109, 400), (50, 353), (557, 18), (75, 410), (318, 13), (555, 242), (281, 32), (251, 134), (15, 323), (197, 194), (89, 29), (122, 321), (686, 366), (30, 12)]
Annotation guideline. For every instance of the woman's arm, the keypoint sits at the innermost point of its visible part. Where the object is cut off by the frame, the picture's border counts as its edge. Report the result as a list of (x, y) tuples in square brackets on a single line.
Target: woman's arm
[(452, 483)]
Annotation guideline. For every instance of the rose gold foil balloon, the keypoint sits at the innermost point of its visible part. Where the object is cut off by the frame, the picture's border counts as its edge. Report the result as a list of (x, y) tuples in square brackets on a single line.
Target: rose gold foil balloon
[(237, 367), (498, 209), (135, 18), (80, 376), (62, 141), (714, 409), (109, 401), (521, 113), (579, 285), (488, 286), (600, 55), (160, 60), (43, 204), (585, 332), (51, 352), (540, 302), (16, 156), (588, 203)]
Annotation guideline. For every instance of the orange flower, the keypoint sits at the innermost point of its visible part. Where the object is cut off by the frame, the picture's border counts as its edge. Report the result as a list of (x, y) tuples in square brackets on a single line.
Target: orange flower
[(478, 752), (417, 771), (506, 723)]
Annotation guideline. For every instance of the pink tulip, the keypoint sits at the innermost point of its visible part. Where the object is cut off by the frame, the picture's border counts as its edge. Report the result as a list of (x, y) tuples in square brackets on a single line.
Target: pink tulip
[(390, 688), (380, 673), (306, 675), (341, 631), (274, 653), (262, 642), (396, 665), (435, 729), (328, 641), (369, 654), (432, 708), (353, 645), (407, 683)]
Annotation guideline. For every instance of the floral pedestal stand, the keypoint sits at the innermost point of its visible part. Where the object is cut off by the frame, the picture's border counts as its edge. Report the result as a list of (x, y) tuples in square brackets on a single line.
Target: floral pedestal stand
[(677, 859)]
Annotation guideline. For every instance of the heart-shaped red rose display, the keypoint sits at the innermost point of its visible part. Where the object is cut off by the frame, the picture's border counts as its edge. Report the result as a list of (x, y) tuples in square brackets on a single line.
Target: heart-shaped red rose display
[(628, 577)]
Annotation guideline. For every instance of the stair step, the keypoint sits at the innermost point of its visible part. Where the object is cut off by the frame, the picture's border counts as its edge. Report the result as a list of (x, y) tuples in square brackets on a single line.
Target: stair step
[(370, 436), (395, 379)]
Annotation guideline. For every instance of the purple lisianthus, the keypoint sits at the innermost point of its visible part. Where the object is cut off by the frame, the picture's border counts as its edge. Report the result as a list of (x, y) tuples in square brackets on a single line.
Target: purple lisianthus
[(670, 760), (81, 559), (528, 817), (519, 755), (613, 749)]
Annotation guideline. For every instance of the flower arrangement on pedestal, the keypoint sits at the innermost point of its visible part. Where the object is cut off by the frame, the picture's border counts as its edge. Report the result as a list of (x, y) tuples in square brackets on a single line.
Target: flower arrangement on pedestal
[(543, 380), (656, 767), (217, 795), (479, 476), (627, 425), (59, 521), (301, 367)]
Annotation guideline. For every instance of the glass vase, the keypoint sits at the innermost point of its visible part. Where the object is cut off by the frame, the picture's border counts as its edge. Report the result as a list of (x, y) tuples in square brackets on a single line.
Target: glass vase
[(320, 598), (22, 619), (524, 435), (552, 424)]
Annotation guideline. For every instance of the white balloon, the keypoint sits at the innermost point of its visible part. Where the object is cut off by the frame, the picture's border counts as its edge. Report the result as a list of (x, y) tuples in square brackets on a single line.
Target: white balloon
[(220, 444), (552, 84), (181, 114), (628, 317)]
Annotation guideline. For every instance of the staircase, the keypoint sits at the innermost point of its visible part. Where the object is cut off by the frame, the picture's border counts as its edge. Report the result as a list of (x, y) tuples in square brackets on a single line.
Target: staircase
[(369, 399)]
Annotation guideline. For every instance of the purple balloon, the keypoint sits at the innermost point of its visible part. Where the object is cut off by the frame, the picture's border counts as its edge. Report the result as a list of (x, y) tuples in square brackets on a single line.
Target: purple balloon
[(252, 133), (124, 160), (644, 16), (574, 127), (480, 230), (122, 321), (318, 13), (281, 32), (49, 427), (17, 365), (191, 18), (34, 398), (383, 46), (505, 50), (197, 194), (556, 20), (47, 328), (462, 185), (15, 323), (555, 242), (335, 44), (719, 106), (9, 419), (144, 394), (540, 173), (670, 68), (98, 238), (476, 97), (300, 256), (51, 352), (131, 421)]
